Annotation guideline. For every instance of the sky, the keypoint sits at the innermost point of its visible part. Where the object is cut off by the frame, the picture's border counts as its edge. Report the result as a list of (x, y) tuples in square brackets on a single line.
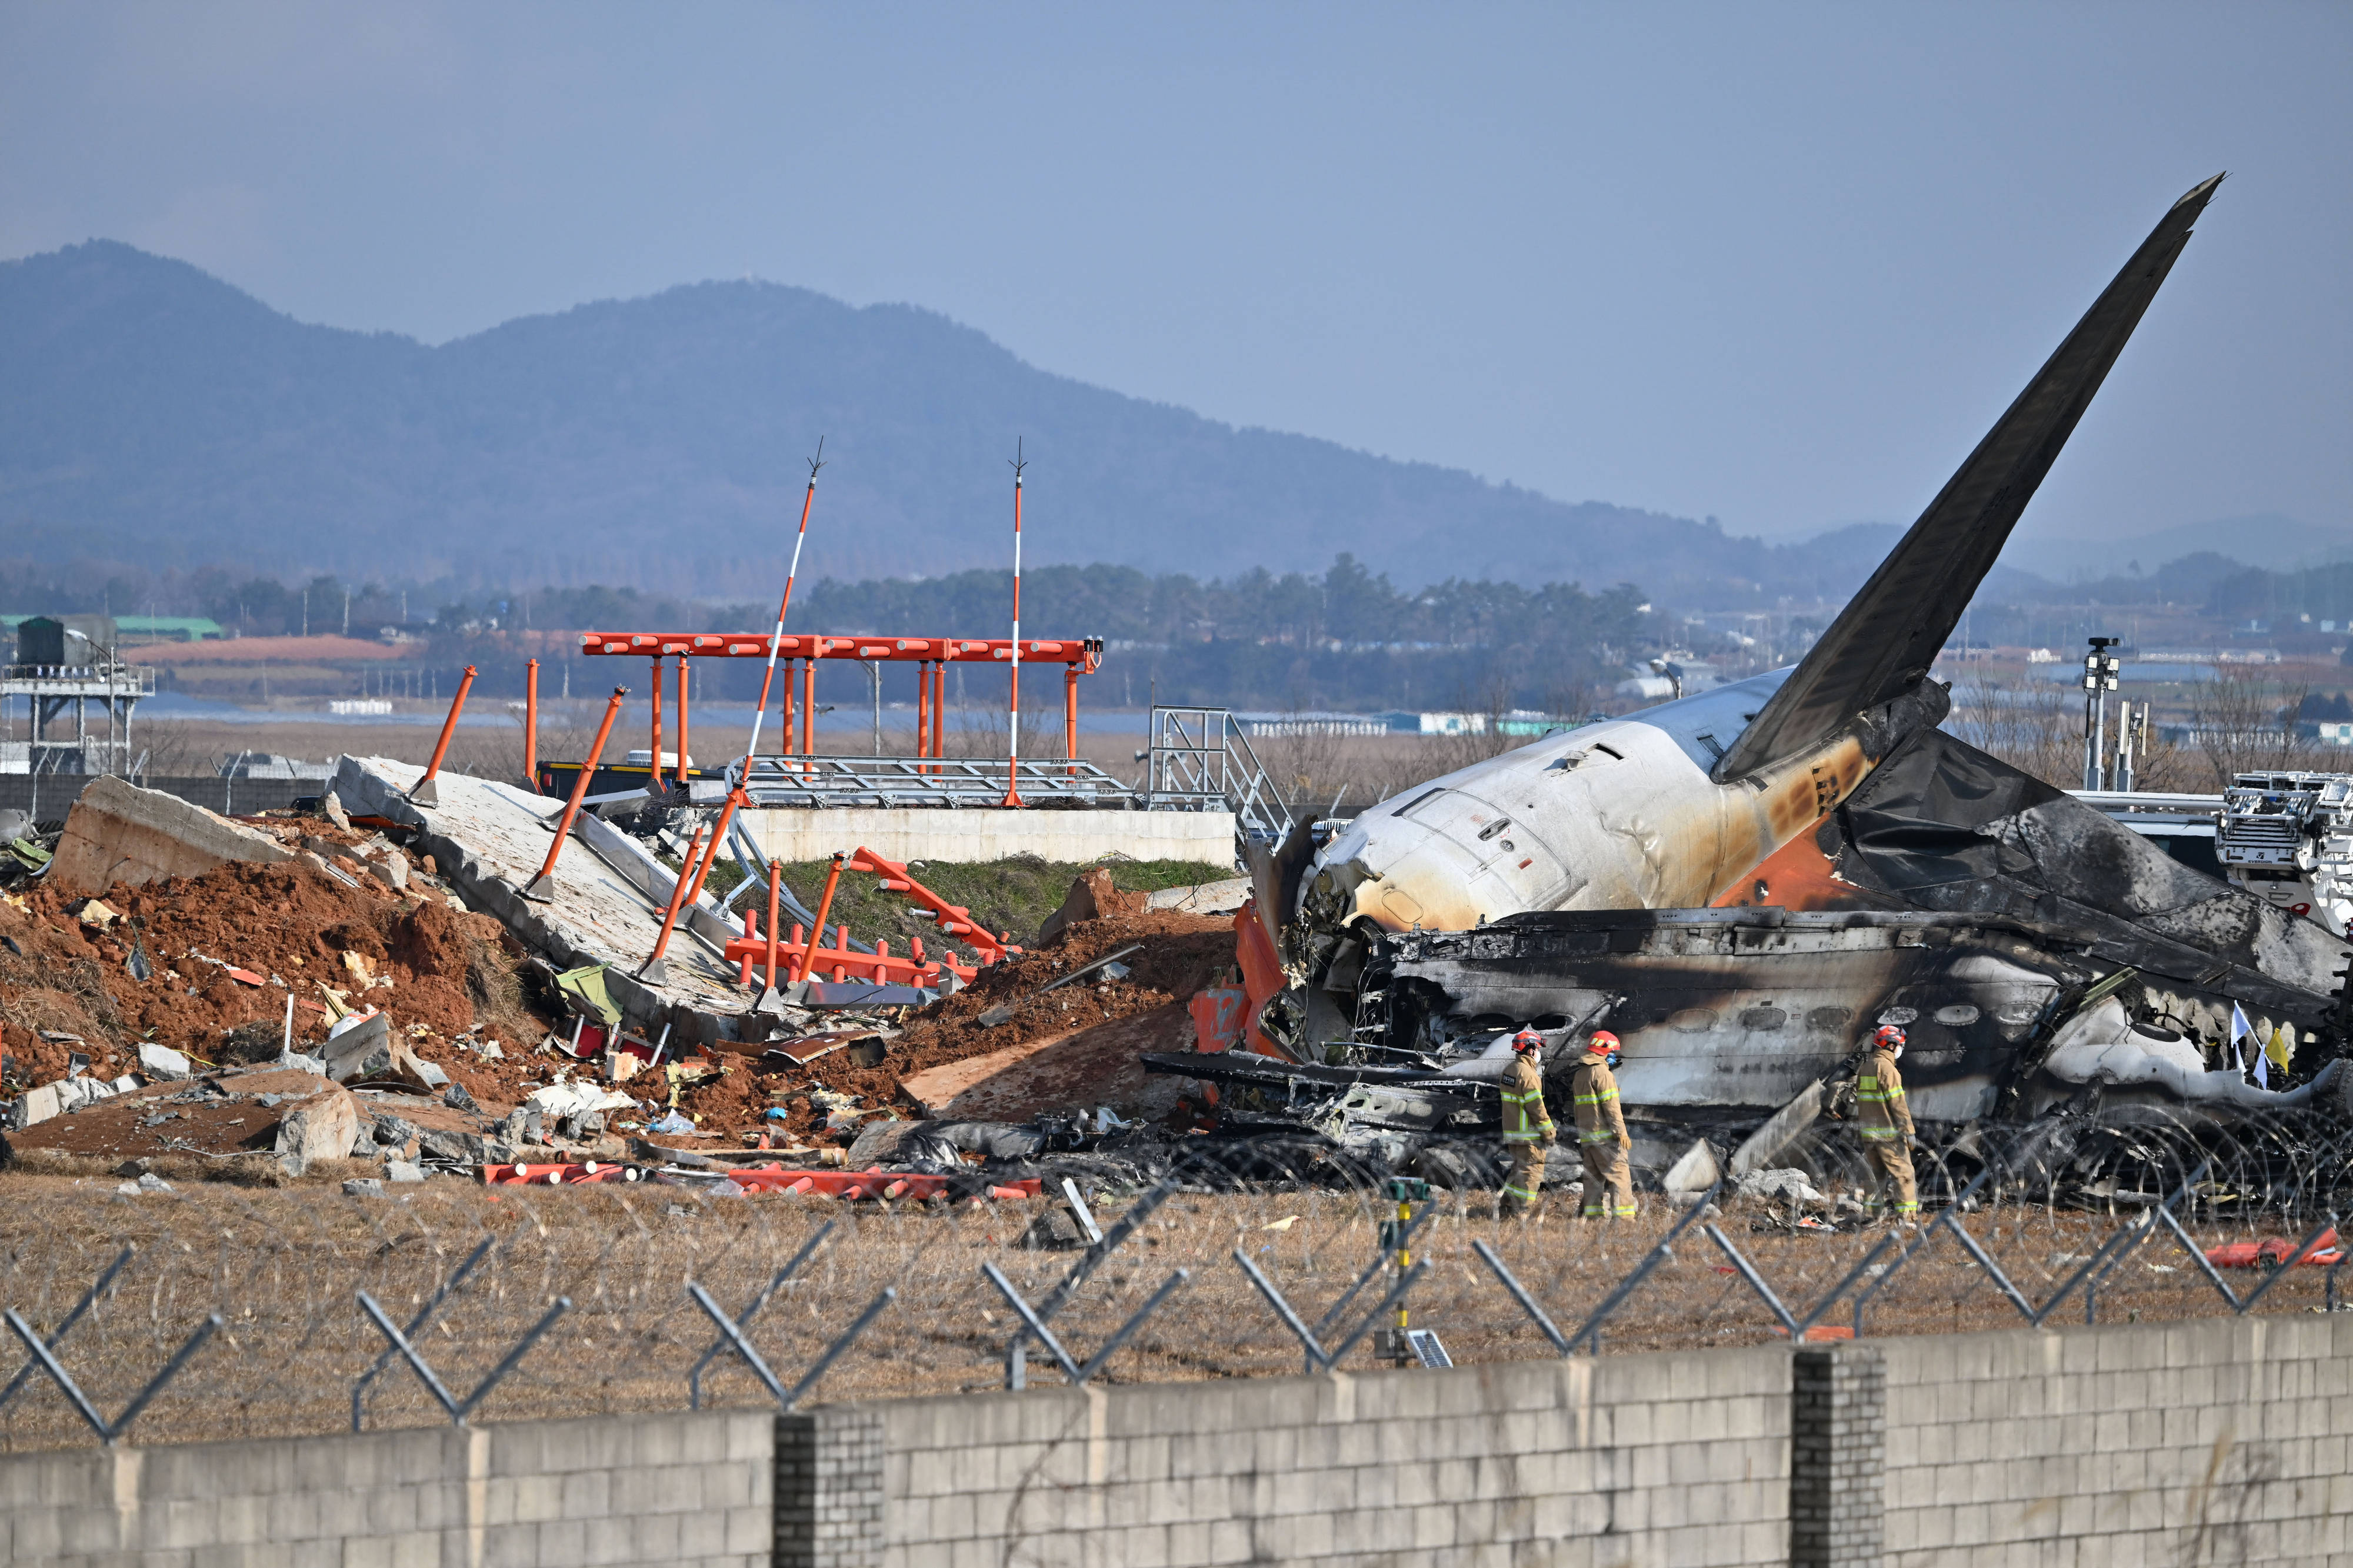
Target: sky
[(1780, 264)]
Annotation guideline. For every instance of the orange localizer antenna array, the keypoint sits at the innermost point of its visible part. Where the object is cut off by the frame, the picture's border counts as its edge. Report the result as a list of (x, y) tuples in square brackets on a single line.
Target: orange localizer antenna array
[(540, 889), (1013, 767), (530, 726), (425, 793), (654, 779)]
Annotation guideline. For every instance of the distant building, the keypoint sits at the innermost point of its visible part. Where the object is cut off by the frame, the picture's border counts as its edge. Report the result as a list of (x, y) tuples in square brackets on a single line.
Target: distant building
[(64, 642), (270, 765), (1518, 722), (168, 628), (63, 665)]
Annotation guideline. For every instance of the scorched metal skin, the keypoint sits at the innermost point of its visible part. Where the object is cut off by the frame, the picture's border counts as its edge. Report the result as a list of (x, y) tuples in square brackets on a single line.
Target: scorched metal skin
[(1741, 1009)]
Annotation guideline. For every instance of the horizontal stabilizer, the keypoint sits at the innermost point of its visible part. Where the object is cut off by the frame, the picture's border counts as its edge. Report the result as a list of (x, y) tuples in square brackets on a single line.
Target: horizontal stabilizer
[(1890, 632)]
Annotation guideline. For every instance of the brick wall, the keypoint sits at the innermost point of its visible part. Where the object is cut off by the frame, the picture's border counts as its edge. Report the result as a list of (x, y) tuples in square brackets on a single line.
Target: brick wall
[(2213, 1442), (1639, 1460), (1838, 1440), (633, 1489), (2229, 1440)]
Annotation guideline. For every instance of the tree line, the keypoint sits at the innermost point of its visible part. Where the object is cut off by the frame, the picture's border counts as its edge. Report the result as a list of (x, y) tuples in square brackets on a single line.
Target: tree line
[(1347, 638)]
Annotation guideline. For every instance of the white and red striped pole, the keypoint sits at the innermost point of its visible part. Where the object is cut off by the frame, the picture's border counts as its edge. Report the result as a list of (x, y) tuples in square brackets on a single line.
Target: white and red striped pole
[(1013, 765), (776, 641)]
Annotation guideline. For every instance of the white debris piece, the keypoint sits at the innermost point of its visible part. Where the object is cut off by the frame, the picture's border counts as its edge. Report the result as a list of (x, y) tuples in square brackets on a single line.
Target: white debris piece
[(33, 1106), (73, 1093), (1787, 1185), (1690, 1178), (162, 1062), (574, 1098)]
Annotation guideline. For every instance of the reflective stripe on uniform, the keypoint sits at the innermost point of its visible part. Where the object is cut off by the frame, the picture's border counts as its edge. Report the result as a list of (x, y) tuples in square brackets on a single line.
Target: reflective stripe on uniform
[(1873, 1103), (1525, 1121)]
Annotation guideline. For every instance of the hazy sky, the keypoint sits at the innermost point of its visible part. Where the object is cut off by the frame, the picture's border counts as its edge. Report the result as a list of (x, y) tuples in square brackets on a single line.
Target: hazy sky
[(1779, 264)]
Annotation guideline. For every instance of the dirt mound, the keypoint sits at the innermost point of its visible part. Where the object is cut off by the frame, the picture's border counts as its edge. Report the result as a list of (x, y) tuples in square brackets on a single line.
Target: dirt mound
[(288, 927)]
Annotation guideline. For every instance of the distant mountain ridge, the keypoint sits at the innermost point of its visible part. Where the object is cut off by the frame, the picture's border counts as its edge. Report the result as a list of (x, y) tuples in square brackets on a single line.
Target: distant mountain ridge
[(151, 413)]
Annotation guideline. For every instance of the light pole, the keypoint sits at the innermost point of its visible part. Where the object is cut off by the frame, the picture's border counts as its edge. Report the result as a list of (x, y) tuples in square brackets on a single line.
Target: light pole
[(2100, 668)]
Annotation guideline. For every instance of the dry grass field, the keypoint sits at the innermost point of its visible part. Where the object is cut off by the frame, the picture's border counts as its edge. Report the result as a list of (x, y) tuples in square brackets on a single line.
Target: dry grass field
[(282, 1267)]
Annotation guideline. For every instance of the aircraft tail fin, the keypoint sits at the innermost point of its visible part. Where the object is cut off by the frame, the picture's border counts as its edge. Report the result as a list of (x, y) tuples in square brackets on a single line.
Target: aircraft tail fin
[(1890, 632)]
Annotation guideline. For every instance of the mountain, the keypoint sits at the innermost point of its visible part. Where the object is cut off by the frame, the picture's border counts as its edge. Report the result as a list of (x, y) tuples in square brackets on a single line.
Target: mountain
[(2268, 540), (149, 413)]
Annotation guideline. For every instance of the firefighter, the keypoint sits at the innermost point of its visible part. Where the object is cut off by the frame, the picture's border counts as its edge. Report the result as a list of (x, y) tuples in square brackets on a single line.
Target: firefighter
[(1527, 1127), (1883, 1117), (1601, 1130)]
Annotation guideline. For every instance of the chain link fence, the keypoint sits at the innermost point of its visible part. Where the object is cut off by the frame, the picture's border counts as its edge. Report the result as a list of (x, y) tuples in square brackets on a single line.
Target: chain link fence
[(214, 1311)]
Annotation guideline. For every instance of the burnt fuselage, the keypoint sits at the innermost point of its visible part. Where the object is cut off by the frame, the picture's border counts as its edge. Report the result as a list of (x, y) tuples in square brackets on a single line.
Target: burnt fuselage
[(1742, 1008)]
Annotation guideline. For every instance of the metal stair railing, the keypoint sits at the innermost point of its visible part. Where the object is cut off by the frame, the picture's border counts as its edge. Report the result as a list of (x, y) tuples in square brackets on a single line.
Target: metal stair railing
[(1201, 760)]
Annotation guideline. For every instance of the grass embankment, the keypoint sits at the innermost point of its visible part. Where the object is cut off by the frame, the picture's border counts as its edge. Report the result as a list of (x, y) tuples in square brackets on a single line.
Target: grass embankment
[(1013, 895)]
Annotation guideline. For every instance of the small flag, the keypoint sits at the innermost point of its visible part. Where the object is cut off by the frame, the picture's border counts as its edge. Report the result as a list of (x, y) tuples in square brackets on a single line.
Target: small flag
[(2262, 1065), (2240, 1027), (2282, 1050)]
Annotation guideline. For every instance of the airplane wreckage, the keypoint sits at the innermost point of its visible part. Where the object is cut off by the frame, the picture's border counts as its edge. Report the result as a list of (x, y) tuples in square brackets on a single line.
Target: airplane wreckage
[(1743, 883)]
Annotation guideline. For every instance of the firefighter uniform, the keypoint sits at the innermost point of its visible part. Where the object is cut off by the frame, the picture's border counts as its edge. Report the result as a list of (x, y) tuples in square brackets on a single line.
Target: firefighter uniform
[(1601, 1138), (1527, 1128), (1883, 1117)]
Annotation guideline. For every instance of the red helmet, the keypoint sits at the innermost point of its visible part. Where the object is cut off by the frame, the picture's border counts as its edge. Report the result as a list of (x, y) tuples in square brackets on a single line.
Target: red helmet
[(1606, 1042), (1888, 1035), (1527, 1040)]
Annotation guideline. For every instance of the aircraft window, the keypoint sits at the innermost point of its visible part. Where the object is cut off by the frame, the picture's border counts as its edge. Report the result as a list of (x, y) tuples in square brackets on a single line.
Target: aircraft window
[(1956, 1016), (1830, 1017), (1691, 1021), (1763, 1018)]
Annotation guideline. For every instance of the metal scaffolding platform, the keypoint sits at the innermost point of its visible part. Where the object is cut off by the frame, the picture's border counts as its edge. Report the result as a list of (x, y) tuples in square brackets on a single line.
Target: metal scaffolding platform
[(805, 780), (50, 691)]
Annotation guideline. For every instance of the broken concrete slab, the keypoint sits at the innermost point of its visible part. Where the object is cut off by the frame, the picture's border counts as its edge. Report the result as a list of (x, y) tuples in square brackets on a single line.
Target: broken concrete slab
[(877, 1141), (1222, 897), (162, 1062), (34, 1106), (411, 1067), (391, 869), (322, 1127), (608, 894), (117, 832)]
